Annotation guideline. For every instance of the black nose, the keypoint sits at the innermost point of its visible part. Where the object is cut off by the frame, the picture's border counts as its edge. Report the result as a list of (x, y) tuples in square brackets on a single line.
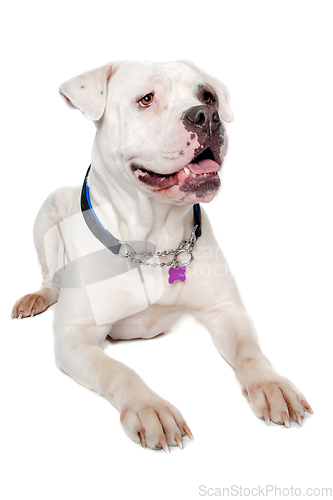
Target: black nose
[(202, 116)]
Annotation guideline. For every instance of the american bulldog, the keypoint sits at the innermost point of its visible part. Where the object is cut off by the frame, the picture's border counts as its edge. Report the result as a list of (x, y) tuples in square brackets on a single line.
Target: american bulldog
[(130, 252)]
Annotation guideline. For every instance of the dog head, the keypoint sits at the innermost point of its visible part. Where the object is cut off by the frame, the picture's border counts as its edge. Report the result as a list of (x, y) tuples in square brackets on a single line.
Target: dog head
[(159, 125)]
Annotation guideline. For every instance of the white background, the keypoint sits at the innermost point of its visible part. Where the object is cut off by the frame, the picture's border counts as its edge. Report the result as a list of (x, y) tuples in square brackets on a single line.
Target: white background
[(272, 218)]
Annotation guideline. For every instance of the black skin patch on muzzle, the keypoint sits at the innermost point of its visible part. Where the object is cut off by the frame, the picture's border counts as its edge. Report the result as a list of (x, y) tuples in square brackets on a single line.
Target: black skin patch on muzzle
[(201, 186), (204, 121)]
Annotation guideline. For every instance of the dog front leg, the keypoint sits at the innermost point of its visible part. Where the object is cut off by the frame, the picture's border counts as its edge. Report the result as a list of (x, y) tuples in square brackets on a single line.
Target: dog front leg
[(146, 417), (271, 396)]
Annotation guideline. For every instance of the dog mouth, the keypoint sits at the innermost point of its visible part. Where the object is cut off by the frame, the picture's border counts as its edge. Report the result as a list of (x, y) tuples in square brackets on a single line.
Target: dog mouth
[(200, 176)]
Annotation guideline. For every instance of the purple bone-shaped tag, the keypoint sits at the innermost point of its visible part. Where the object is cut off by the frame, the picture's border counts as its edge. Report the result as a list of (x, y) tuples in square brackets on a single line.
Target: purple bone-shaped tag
[(177, 273)]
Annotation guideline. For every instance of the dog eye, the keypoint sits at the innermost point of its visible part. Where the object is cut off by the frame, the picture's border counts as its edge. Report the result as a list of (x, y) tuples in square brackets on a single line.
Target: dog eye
[(208, 97), (146, 100)]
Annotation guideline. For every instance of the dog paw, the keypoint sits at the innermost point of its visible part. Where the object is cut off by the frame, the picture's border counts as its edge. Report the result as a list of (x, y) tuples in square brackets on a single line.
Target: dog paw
[(155, 423), (275, 398), (32, 304)]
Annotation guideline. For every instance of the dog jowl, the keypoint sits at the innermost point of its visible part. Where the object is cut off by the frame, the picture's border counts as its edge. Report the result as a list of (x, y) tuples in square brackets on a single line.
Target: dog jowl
[(124, 255)]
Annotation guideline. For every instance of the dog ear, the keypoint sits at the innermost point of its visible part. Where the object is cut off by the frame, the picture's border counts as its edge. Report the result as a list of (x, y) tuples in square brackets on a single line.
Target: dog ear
[(88, 92), (224, 99)]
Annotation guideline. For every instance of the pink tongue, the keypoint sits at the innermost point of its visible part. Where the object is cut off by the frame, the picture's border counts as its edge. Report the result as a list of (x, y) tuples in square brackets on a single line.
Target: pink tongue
[(203, 167)]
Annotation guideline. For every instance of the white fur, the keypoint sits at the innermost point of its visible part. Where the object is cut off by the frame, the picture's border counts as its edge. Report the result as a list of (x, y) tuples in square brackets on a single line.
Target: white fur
[(132, 212)]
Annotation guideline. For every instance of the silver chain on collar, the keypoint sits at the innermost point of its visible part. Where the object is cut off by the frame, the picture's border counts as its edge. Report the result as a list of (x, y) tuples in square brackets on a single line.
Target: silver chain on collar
[(186, 247)]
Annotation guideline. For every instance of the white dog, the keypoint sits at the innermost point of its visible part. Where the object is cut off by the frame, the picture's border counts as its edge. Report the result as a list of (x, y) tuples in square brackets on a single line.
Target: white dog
[(124, 256)]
